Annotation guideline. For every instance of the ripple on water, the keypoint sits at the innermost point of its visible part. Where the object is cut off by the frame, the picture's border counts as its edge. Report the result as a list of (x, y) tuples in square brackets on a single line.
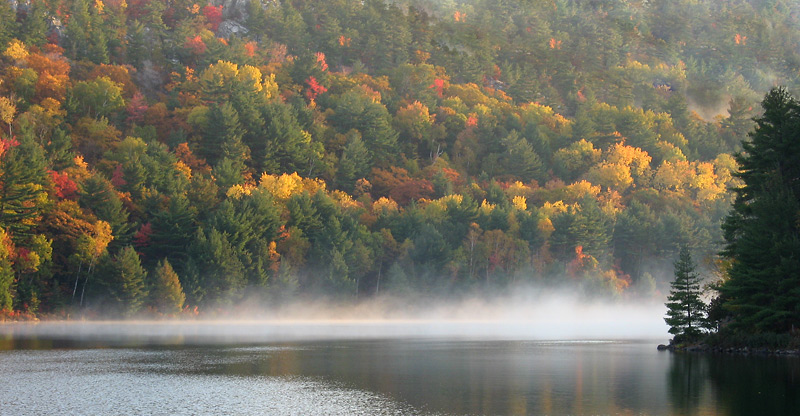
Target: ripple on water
[(99, 382)]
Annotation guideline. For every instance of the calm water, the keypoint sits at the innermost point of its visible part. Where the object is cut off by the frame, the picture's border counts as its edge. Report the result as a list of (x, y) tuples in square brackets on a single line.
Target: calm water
[(90, 375)]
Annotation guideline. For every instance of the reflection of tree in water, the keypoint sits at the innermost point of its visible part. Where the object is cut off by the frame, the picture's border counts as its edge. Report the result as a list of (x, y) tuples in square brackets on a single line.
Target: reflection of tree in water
[(738, 385), (687, 378), (747, 385)]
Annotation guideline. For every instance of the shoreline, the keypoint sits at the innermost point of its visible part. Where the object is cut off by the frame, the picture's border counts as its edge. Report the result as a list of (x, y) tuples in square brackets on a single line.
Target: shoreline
[(738, 350)]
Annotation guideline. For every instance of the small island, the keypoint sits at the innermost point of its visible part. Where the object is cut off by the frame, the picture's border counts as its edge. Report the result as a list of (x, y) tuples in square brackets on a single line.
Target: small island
[(756, 307)]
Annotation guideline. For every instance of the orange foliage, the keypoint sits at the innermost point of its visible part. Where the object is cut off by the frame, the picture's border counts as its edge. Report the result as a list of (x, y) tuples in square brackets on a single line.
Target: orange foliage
[(321, 61), (582, 263), (53, 70), (555, 44), (121, 74), (185, 155), (195, 44), (250, 49), (343, 41)]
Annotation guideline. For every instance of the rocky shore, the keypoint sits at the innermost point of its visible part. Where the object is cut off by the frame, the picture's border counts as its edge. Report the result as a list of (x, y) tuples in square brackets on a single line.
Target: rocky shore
[(703, 348)]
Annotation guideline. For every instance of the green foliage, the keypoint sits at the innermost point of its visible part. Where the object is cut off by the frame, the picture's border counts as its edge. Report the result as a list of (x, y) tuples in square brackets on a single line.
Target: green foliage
[(123, 278), (686, 312), (166, 292), (763, 286), (440, 146)]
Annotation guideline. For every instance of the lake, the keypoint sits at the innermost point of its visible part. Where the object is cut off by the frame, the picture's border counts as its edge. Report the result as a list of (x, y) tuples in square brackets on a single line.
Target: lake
[(183, 370)]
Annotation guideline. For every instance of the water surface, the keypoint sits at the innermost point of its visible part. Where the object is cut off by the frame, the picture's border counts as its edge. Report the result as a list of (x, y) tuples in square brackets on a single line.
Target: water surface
[(87, 374)]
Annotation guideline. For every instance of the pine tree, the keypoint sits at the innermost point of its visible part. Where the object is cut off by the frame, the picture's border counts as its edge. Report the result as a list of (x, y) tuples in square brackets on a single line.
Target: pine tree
[(763, 229), (166, 293), (685, 309), (8, 24), (124, 279)]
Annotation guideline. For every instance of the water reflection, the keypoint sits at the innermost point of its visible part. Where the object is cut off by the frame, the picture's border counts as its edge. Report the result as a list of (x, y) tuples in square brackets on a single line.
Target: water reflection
[(426, 376)]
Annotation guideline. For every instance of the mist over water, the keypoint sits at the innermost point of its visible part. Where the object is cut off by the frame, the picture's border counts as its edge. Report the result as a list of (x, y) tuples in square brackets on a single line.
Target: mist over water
[(524, 315)]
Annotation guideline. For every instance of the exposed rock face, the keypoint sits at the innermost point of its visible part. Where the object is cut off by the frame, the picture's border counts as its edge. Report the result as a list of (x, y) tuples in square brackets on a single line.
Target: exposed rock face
[(230, 28), (19, 5), (234, 9)]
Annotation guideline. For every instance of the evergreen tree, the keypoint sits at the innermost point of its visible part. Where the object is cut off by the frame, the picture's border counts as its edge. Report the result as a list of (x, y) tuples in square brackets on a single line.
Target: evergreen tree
[(23, 179), (685, 309), (763, 229), (166, 292), (6, 272), (124, 279), (33, 29), (96, 193), (8, 24)]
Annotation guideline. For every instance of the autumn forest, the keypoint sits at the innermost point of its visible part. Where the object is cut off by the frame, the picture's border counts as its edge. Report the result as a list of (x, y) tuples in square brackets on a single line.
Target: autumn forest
[(166, 158)]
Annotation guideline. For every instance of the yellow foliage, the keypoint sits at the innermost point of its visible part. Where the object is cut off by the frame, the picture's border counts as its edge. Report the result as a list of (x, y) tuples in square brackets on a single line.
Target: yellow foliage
[(7, 110), (345, 200), (384, 205), (637, 159), (52, 107), (550, 209), (16, 50), (283, 186), (545, 225), (239, 190), (673, 176), (486, 207), (576, 191), (611, 175), (224, 77), (102, 237), (78, 160), (519, 189), (183, 169), (520, 202)]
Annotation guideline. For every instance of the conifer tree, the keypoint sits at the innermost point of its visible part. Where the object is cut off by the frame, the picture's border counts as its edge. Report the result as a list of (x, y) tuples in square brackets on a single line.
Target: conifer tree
[(763, 229), (8, 24), (124, 278), (166, 292), (685, 309)]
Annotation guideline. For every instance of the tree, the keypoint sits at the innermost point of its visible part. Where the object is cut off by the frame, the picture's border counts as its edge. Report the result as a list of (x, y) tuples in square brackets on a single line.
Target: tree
[(124, 278), (8, 24), (685, 309), (166, 292), (762, 231), (23, 178), (6, 271), (100, 97)]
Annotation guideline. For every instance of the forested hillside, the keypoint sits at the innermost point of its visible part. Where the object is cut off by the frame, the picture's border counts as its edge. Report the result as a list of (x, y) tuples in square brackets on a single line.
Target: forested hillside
[(163, 155)]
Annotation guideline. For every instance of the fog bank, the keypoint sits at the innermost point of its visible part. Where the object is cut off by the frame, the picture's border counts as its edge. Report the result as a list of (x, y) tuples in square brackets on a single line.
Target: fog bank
[(524, 316)]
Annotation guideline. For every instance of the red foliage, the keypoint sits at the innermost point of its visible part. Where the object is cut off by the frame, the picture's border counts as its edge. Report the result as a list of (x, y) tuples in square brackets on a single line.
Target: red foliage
[(65, 187), (136, 109), (314, 88), (472, 121), (142, 237), (438, 84), (213, 16), (412, 190), (195, 44), (23, 253), (6, 144), (117, 178)]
